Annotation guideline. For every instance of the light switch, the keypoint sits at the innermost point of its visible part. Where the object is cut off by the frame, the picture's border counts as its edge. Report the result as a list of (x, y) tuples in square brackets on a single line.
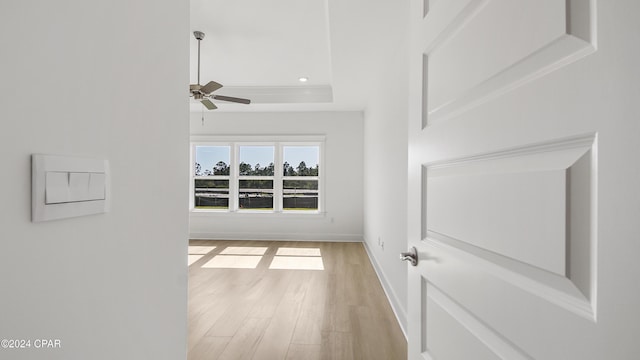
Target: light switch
[(68, 186), (97, 182), (78, 186), (57, 187)]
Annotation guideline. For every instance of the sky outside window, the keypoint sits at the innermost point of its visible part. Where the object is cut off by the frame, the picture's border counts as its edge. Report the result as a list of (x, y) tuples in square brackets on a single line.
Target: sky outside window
[(209, 156), (253, 155), (296, 154)]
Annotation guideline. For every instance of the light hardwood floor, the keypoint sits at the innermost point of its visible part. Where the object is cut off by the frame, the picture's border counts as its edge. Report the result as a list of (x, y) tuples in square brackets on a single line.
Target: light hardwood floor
[(340, 312)]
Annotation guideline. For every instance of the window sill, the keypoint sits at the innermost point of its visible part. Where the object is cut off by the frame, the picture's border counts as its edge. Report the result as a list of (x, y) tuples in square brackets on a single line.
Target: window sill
[(257, 213)]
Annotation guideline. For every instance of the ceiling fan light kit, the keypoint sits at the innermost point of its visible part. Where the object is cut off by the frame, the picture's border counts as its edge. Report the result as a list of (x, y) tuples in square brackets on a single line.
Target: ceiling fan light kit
[(203, 93)]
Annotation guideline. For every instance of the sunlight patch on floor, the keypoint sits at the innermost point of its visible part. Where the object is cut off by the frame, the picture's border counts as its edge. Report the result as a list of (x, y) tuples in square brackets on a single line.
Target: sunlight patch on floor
[(248, 257), (197, 250), (284, 251), (297, 263), (244, 250), (194, 258), (233, 262)]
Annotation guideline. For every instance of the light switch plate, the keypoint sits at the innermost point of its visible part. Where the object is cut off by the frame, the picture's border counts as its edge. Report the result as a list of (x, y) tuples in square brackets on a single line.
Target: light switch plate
[(68, 186)]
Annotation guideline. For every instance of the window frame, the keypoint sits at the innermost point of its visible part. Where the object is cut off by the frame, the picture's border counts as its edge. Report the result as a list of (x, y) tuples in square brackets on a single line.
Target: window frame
[(316, 178), (278, 142), (237, 177), (193, 176)]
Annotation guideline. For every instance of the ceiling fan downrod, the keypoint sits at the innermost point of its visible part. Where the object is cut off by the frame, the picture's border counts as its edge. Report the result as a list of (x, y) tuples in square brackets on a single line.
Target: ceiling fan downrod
[(199, 36)]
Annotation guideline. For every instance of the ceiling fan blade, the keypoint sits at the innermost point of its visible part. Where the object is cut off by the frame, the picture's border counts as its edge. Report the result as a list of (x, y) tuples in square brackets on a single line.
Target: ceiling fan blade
[(232, 99), (210, 87), (208, 104)]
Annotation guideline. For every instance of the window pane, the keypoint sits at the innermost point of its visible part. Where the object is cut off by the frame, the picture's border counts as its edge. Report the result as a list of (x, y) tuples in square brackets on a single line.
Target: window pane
[(301, 160), (256, 161), (211, 194), (300, 195), (212, 160), (255, 194)]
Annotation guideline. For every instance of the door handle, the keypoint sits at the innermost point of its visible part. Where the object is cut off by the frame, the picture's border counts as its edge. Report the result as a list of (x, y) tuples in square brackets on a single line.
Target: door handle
[(411, 255)]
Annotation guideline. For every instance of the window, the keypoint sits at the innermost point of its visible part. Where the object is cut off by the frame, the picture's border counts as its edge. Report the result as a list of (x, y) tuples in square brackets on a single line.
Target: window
[(257, 176), (300, 177), (211, 174), (255, 182)]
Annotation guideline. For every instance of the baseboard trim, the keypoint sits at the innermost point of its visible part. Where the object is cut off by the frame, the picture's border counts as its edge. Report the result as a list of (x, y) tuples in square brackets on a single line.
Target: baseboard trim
[(396, 306), (277, 236)]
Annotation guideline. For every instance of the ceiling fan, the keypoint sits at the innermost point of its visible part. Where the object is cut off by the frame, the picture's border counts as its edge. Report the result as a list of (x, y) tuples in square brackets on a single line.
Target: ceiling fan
[(203, 93)]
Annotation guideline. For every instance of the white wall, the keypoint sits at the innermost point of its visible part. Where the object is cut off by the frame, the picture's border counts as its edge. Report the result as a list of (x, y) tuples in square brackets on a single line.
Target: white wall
[(385, 160), (343, 169), (102, 79)]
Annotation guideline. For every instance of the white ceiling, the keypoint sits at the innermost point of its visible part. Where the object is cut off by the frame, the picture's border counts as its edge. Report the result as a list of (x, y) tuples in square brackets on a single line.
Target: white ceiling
[(258, 49)]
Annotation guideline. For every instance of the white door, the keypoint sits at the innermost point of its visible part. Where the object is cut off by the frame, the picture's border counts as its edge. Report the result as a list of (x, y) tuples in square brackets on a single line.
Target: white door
[(523, 179)]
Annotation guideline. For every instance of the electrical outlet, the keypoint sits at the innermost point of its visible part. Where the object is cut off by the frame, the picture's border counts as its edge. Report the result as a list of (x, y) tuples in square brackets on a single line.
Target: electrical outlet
[(382, 245)]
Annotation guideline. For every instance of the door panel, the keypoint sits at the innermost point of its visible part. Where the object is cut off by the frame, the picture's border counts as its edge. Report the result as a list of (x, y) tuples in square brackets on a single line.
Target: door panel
[(450, 325), (518, 171), (492, 46), (487, 42), (515, 203)]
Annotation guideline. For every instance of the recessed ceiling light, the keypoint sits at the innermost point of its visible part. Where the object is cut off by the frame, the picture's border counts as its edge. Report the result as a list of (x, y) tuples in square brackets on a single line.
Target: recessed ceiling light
[(303, 79)]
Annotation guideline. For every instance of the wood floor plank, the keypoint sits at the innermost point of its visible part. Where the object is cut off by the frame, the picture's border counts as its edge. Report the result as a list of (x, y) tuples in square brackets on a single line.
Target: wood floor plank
[(209, 348), (244, 343), (277, 337), (340, 312), (229, 323), (338, 345), (308, 329), (276, 285), (373, 344), (201, 323), (304, 352)]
